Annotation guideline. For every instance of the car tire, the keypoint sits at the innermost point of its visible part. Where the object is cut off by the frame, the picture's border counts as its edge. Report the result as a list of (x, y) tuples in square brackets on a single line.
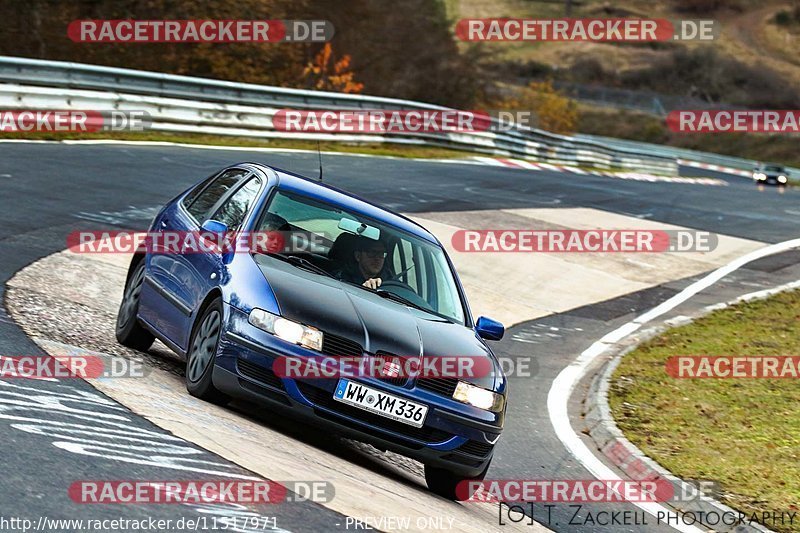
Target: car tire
[(129, 331), (445, 483), (202, 353)]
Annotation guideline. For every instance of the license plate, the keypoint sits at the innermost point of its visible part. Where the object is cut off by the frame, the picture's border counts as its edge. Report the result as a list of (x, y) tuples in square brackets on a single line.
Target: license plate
[(380, 403)]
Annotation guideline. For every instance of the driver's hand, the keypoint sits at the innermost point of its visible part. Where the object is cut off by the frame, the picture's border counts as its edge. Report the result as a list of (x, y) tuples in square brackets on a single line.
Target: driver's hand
[(372, 283)]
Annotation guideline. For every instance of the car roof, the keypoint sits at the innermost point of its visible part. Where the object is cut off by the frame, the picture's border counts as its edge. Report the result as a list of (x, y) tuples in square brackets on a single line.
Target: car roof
[(319, 190)]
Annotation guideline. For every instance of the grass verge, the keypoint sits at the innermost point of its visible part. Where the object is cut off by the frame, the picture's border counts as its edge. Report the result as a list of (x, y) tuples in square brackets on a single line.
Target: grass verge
[(395, 150), (742, 433)]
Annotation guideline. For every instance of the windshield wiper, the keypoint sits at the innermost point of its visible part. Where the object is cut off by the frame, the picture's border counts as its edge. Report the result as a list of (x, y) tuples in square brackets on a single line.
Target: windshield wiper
[(302, 262), (397, 298)]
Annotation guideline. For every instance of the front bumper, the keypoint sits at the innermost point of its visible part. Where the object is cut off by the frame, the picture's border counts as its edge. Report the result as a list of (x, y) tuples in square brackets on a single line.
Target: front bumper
[(455, 436), (770, 180)]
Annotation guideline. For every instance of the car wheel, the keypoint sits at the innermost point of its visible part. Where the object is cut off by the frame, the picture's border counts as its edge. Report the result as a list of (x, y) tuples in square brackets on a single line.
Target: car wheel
[(202, 353), (445, 483), (128, 330)]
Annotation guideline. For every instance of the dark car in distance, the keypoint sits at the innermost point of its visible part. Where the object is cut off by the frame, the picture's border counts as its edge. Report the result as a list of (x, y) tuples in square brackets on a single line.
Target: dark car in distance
[(771, 174)]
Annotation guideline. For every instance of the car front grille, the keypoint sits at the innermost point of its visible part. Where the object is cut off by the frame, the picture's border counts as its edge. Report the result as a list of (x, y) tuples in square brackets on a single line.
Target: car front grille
[(444, 386), (336, 346), (396, 381), (471, 453), (478, 449), (258, 373)]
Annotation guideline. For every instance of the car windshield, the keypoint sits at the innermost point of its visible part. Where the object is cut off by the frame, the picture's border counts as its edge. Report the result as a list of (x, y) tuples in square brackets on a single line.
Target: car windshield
[(773, 168), (329, 236)]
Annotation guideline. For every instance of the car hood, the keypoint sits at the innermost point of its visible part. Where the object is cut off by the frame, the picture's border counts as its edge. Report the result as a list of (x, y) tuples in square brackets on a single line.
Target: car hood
[(377, 324)]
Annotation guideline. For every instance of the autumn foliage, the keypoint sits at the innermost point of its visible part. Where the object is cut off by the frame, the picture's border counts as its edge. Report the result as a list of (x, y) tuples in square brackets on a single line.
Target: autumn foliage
[(324, 76), (553, 111), (402, 50)]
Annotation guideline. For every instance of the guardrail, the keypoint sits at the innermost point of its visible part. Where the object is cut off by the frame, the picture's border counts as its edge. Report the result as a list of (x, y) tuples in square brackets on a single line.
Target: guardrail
[(706, 159), (190, 104)]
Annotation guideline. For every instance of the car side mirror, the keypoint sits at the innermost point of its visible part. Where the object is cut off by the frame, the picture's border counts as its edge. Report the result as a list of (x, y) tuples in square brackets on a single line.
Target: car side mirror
[(214, 226), (219, 229), (489, 329)]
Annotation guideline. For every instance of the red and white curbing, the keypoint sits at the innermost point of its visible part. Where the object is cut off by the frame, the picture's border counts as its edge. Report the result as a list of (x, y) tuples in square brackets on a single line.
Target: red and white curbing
[(716, 168), (636, 176)]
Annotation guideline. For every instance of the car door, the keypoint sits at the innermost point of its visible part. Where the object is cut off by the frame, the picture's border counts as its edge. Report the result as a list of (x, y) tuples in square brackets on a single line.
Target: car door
[(206, 270), (169, 297)]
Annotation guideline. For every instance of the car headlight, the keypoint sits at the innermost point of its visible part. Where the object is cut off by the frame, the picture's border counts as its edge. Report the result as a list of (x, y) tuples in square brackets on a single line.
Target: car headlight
[(759, 176), (782, 179), (478, 397), (286, 329)]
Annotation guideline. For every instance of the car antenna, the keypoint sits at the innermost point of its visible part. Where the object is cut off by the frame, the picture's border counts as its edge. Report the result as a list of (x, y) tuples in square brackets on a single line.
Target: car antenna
[(319, 153)]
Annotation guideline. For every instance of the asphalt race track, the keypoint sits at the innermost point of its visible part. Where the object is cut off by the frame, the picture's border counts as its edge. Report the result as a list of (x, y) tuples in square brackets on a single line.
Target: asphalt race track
[(50, 189)]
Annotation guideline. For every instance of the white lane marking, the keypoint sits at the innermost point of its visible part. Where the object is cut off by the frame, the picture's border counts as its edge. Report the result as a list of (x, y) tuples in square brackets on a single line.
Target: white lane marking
[(5, 175), (791, 212), (86, 427), (567, 379), (4, 318), (96, 433), (119, 217)]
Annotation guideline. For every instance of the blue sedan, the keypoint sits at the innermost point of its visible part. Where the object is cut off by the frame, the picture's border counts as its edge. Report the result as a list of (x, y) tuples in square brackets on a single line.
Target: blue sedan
[(350, 279)]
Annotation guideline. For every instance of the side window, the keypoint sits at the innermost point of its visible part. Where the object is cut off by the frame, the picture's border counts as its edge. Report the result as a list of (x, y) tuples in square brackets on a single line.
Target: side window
[(194, 193), (201, 206), (235, 208), (402, 259)]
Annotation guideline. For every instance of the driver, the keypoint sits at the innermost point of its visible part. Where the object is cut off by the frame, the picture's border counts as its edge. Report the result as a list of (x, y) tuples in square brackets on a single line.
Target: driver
[(369, 269)]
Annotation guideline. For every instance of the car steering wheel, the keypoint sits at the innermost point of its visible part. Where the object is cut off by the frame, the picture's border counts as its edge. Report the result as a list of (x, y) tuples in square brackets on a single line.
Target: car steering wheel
[(392, 282), (405, 291)]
